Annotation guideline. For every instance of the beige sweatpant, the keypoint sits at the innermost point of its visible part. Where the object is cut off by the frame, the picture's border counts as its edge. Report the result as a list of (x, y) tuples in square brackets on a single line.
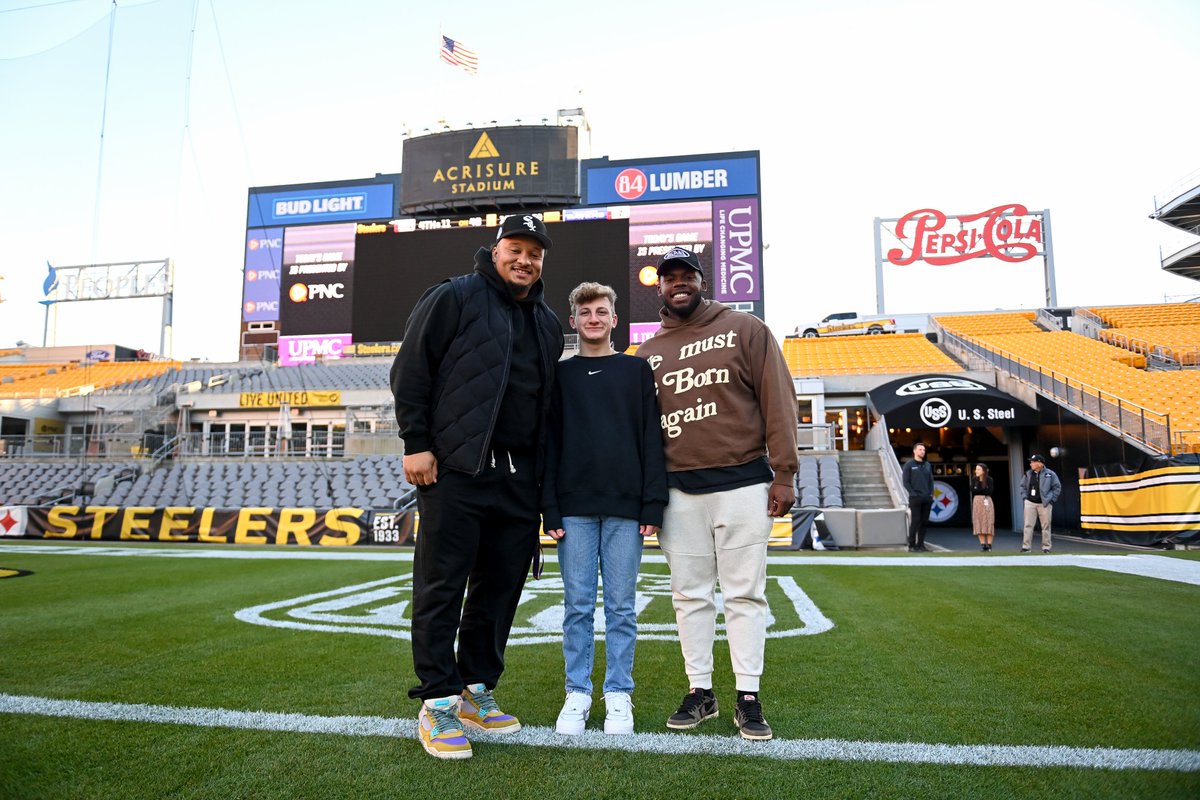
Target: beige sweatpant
[(1036, 512), (722, 536)]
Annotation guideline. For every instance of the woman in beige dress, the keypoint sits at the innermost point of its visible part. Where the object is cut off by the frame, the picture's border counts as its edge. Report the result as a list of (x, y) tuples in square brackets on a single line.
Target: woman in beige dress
[(983, 509)]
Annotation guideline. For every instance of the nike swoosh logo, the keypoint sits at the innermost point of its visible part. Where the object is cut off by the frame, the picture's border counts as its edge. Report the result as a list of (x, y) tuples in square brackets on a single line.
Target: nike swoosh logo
[(597, 372)]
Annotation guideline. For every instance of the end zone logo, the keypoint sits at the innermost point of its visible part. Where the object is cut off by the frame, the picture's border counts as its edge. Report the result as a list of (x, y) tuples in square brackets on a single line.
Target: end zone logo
[(630, 183), (5, 572)]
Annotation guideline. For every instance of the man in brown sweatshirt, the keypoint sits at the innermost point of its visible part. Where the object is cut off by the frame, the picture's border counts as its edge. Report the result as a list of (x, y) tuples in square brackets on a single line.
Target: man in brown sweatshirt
[(729, 428)]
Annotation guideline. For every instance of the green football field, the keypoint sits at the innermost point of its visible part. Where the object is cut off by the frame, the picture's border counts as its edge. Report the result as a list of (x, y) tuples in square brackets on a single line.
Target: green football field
[(193, 672)]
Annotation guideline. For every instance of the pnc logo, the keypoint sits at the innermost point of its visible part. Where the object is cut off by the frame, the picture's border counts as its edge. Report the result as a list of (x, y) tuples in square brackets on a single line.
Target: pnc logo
[(302, 292), (264, 244)]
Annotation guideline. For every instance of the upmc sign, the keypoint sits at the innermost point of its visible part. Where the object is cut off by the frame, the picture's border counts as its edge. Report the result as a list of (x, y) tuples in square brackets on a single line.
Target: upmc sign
[(1008, 233), (736, 267)]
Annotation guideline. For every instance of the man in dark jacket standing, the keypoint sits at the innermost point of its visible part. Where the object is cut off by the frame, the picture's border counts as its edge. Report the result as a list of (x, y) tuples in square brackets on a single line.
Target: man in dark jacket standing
[(472, 384), (1040, 487), (918, 480)]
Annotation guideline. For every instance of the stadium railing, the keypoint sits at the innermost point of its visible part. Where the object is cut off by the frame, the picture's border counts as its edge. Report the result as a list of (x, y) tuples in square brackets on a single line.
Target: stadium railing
[(816, 436), (1135, 421), (893, 476), (105, 446)]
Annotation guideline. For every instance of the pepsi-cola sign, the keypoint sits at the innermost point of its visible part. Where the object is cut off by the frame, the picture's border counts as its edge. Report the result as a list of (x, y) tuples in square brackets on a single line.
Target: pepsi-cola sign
[(1007, 233)]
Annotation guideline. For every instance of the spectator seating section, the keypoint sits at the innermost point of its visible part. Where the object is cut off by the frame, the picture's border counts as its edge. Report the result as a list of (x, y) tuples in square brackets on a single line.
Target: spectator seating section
[(154, 377), (68, 379), (369, 374), (819, 482), (11, 373), (25, 483), (1169, 329), (1158, 314), (988, 324), (865, 355), (1106, 368), (367, 482)]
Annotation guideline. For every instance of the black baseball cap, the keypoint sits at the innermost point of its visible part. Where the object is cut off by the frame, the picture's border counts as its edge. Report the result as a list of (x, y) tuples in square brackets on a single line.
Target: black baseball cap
[(524, 225), (683, 256), (1036, 457)]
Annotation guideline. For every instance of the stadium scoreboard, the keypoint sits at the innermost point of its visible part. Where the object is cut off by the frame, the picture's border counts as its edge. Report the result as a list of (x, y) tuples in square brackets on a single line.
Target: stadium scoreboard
[(334, 269)]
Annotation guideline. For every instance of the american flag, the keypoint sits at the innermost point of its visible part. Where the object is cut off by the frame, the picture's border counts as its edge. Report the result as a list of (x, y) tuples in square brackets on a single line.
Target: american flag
[(457, 55)]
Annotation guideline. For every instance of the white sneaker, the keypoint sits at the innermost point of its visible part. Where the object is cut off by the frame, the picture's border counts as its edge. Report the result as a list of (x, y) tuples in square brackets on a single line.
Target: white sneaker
[(573, 717), (619, 719)]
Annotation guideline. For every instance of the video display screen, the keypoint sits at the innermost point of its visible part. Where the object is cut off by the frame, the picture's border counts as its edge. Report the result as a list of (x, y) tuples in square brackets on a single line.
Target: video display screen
[(317, 281), (392, 271)]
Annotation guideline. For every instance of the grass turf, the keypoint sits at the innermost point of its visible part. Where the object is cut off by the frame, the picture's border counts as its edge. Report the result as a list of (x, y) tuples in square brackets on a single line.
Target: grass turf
[(1054, 656)]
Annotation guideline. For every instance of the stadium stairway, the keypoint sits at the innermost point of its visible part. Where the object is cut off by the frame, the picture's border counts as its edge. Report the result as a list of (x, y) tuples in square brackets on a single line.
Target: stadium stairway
[(863, 485)]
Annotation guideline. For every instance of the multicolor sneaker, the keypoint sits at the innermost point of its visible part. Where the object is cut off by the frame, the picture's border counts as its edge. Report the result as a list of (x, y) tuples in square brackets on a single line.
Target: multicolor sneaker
[(619, 719), (479, 710), (572, 720), (697, 706), (748, 716), (439, 730)]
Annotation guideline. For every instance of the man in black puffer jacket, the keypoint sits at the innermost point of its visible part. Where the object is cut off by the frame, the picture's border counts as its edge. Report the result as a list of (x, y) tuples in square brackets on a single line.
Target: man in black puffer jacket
[(472, 384)]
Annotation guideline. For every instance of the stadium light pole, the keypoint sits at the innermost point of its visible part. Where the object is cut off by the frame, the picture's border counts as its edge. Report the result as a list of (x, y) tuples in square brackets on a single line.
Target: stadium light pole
[(878, 268)]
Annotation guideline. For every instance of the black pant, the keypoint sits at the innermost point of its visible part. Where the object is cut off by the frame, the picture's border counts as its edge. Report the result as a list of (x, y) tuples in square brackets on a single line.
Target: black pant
[(483, 529), (920, 520)]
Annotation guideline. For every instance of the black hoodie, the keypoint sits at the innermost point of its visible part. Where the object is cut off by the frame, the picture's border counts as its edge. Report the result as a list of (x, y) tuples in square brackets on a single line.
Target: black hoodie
[(513, 362)]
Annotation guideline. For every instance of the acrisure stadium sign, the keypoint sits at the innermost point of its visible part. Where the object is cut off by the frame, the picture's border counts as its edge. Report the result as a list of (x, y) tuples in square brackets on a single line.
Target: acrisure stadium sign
[(491, 170)]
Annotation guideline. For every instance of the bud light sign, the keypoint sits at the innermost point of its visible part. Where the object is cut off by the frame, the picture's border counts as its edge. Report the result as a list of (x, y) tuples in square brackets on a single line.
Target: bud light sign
[(333, 204)]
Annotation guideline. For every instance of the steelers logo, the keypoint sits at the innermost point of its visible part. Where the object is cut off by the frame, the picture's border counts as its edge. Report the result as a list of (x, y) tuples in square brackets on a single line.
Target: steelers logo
[(945, 502)]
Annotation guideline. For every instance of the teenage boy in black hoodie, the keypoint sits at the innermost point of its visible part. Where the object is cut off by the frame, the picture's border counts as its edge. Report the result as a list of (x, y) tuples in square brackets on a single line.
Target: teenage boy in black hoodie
[(605, 490), (472, 383)]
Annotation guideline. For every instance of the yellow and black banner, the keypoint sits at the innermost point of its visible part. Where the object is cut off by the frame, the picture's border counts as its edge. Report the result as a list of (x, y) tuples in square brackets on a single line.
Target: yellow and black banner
[(295, 399), (1147, 506), (307, 527)]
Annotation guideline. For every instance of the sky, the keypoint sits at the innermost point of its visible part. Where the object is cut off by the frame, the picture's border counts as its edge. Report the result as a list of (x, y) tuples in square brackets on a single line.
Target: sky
[(134, 133)]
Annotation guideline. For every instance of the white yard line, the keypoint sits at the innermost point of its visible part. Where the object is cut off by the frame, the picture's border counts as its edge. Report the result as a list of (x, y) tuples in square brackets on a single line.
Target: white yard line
[(658, 743), (1149, 566)]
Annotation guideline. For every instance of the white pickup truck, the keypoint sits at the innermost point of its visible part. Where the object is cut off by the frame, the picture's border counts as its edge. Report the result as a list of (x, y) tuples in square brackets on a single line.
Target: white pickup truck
[(846, 323)]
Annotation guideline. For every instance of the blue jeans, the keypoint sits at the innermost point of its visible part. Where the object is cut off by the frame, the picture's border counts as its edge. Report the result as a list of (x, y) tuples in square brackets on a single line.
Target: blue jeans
[(614, 546)]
